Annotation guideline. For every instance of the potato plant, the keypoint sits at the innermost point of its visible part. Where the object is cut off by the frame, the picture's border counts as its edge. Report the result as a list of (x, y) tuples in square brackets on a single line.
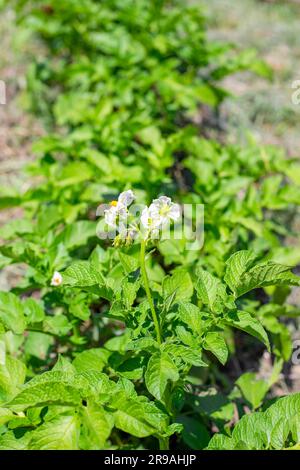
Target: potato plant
[(119, 344)]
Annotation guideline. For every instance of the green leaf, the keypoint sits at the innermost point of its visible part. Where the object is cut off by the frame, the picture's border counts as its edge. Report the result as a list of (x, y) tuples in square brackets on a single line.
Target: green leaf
[(60, 434), (129, 292), (145, 343), (236, 266), (190, 315), (92, 359), (179, 283), (246, 322), (186, 354), (288, 407), (274, 428), (253, 390), (8, 441), (194, 434), (12, 313), (159, 371), (129, 263), (97, 426), (57, 325), (33, 311), (12, 376), (242, 278), (252, 430), (132, 368), (131, 417), (220, 442), (210, 289), (63, 365), (82, 274), (95, 383), (46, 393), (215, 343), (37, 344), (77, 234), (74, 173), (5, 415)]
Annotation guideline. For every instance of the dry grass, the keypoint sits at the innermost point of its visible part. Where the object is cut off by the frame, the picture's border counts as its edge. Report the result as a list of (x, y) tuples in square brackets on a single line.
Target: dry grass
[(265, 108)]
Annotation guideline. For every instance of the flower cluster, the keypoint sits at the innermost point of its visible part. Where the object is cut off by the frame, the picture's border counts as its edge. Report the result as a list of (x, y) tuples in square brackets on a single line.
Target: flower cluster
[(147, 225), (152, 220), (117, 213)]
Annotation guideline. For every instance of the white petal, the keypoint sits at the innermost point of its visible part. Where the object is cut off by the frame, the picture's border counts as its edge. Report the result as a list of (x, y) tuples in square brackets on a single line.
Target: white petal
[(145, 216), (110, 216), (175, 212), (162, 201), (126, 198), (154, 209)]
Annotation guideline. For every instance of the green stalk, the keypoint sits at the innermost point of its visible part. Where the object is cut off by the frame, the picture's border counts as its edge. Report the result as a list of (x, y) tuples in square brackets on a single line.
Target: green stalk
[(148, 292), (163, 443)]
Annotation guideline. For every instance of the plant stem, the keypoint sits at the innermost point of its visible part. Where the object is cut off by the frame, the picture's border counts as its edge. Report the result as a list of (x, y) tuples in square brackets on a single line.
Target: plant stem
[(163, 443), (148, 292)]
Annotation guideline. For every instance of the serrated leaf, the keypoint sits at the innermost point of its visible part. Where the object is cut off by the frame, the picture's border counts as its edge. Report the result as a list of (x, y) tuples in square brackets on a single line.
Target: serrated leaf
[(190, 315), (220, 442), (12, 376), (236, 266), (159, 371), (271, 429), (12, 313), (47, 393), (129, 263), (215, 343), (185, 354), (246, 322), (131, 417), (97, 426), (210, 289), (59, 434), (82, 274), (92, 359), (253, 390), (261, 275), (180, 284)]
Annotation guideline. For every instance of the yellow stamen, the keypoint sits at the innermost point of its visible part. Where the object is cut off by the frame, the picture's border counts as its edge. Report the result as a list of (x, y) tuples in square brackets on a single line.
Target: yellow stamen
[(164, 210), (114, 203)]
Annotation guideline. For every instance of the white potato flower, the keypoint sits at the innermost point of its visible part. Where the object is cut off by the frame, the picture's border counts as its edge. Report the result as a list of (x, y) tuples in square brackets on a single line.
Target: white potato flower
[(56, 279), (148, 224), (118, 208), (160, 212), (163, 210)]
